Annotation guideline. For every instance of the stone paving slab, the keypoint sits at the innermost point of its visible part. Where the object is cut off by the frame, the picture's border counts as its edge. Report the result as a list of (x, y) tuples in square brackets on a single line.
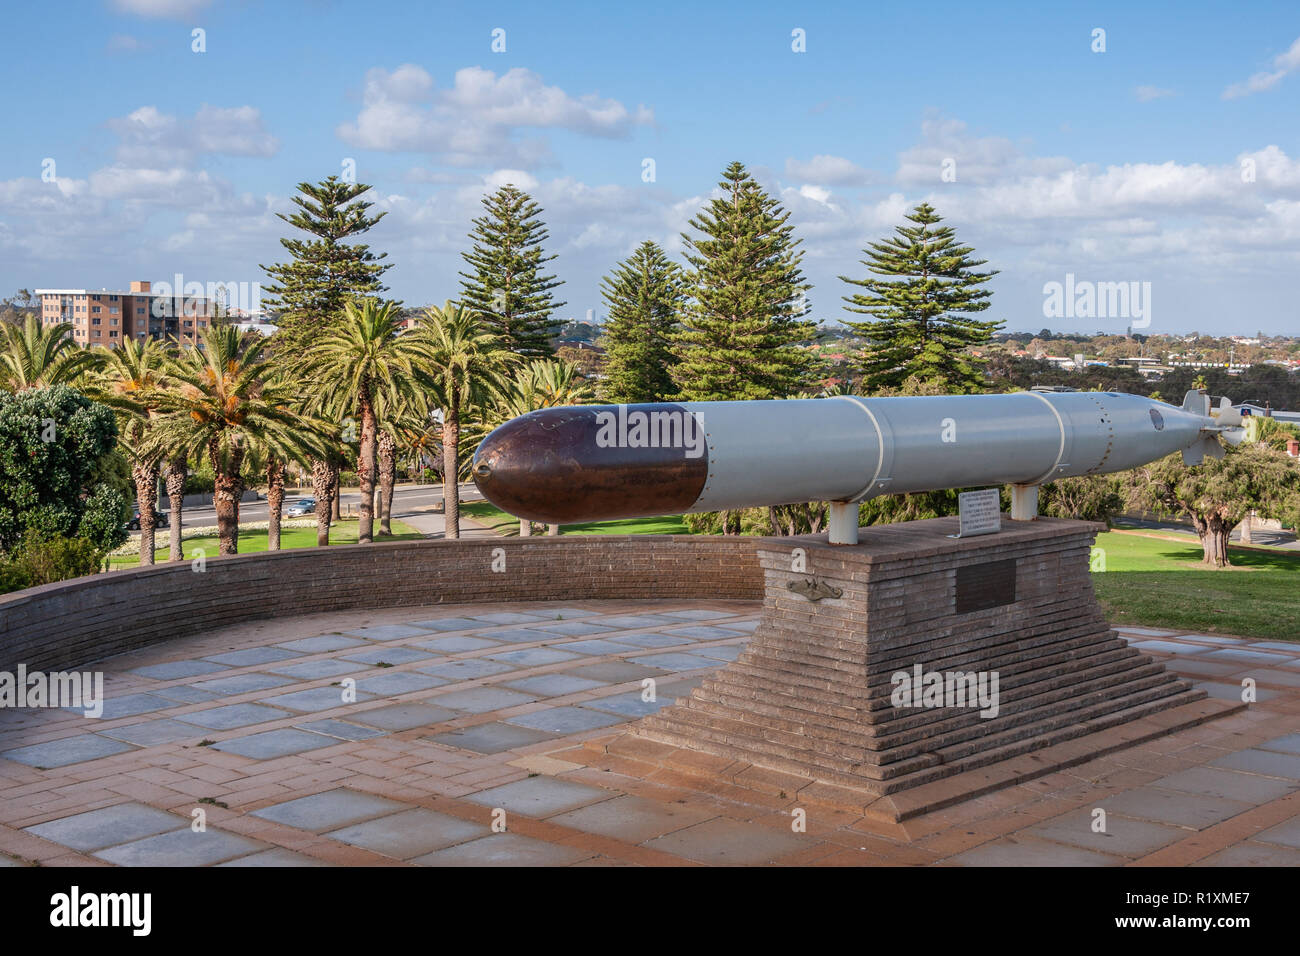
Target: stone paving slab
[(1121, 836), (654, 640), (1290, 744), (448, 624), (504, 849), (316, 670), (409, 833), (695, 614), (233, 716), (492, 738), (1228, 784), (673, 661), (325, 642), (1015, 851), (185, 694), (172, 670), (154, 732), (554, 685), (1247, 657), (274, 743), (387, 685), (1267, 762), (68, 750), (460, 642), (389, 655), (1253, 854), (614, 671), (241, 684), (329, 810), (533, 656), (316, 699), (704, 632), (387, 632), (575, 628), (398, 773), (403, 716), (251, 656), (727, 842), (98, 829), (629, 705), (341, 729), (633, 819), (482, 700), (567, 720), (509, 617), (539, 796), (1284, 834), (277, 857), (466, 670), (181, 848), (596, 646), (131, 705), (1180, 808)]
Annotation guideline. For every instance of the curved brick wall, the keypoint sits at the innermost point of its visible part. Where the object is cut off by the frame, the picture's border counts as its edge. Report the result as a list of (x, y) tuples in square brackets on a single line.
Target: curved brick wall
[(71, 623)]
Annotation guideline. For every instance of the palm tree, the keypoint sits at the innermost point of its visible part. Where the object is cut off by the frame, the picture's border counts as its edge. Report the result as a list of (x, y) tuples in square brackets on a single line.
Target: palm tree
[(464, 365), (36, 355), (174, 471), (359, 363), (269, 453), (220, 404), (131, 379), (387, 476)]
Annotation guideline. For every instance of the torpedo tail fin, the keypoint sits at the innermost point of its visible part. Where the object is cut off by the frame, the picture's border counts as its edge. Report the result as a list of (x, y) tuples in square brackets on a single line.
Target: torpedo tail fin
[(1197, 402)]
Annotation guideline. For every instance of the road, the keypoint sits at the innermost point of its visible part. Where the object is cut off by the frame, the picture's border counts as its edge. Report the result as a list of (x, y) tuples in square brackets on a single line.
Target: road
[(1259, 536), (407, 500)]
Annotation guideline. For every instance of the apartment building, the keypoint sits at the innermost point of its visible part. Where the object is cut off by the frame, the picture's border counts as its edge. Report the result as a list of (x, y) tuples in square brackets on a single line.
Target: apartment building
[(106, 317)]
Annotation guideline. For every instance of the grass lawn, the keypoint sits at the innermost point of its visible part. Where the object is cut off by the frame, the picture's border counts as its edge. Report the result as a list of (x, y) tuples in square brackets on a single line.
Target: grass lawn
[(507, 524), (1162, 583), (341, 532)]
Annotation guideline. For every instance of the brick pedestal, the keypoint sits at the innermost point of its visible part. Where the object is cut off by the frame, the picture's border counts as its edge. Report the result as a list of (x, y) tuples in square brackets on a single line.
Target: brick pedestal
[(812, 698)]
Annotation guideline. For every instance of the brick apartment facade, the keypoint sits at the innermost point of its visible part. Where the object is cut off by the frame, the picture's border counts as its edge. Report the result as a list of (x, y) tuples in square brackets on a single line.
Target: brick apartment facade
[(106, 317)]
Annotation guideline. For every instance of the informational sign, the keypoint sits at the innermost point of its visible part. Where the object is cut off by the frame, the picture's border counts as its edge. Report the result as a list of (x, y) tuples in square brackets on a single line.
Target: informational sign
[(981, 512)]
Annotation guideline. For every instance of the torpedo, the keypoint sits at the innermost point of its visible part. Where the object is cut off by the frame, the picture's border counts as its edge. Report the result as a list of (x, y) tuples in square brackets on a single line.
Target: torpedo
[(603, 462)]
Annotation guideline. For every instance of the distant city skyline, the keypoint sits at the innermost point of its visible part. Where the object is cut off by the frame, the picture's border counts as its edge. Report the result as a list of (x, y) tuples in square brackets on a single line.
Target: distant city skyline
[(1155, 164)]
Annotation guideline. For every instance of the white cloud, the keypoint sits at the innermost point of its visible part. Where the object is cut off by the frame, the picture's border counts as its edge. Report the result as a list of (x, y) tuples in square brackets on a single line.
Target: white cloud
[(1283, 64), (162, 9), (476, 121), (512, 177), (152, 139), (946, 144), (826, 170), (1145, 94)]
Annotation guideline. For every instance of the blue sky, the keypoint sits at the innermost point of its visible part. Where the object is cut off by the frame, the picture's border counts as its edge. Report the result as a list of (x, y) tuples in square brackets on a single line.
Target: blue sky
[(1171, 158)]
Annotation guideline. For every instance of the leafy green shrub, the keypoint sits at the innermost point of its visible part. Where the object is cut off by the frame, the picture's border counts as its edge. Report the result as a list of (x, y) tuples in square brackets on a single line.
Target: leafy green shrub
[(53, 444), (196, 484), (41, 560)]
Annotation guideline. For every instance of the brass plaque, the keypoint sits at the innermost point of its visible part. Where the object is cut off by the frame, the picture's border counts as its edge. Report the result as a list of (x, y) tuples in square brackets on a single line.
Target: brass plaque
[(981, 586)]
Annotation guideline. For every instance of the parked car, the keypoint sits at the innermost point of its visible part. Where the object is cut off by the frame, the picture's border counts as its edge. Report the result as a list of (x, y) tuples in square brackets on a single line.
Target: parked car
[(302, 507), (159, 520)]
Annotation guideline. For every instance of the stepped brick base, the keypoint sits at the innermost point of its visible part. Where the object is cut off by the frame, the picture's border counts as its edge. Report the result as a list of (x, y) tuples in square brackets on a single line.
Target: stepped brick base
[(812, 696)]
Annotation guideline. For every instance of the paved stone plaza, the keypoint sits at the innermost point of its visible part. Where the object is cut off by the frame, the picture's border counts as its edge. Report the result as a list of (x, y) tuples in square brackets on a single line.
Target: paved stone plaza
[(463, 710)]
